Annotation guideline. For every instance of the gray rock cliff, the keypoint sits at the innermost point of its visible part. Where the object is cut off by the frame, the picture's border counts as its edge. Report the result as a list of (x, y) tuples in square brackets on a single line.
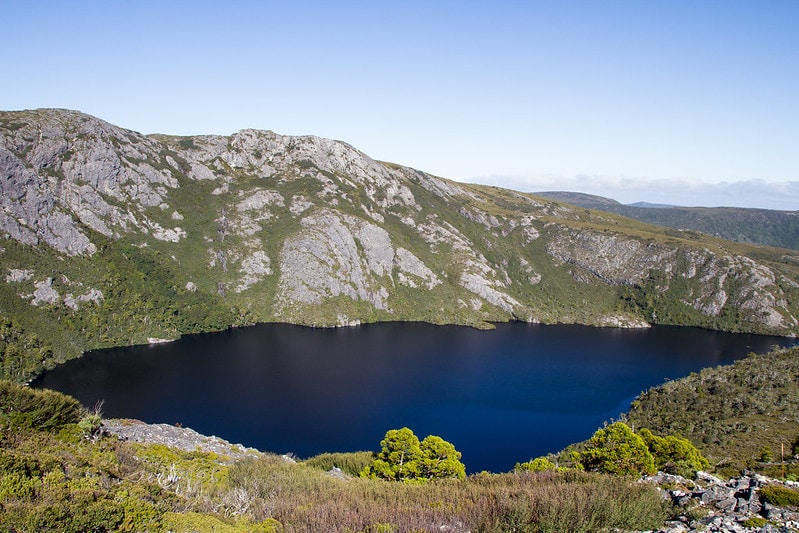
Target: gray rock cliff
[(313, 231)]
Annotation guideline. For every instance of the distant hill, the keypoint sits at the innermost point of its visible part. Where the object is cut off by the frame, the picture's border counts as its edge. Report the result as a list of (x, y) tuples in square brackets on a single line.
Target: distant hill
[(647, 204), (754, 226)]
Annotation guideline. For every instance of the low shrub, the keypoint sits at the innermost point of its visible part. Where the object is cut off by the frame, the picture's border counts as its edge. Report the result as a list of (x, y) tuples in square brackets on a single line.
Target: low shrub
[(45, 410), (780, 496), (755, 521), (539, 464), (674, 455), (350, 463)]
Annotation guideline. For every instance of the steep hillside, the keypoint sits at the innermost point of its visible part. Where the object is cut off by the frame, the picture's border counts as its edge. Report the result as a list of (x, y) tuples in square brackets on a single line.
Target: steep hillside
[(113, 237), (741, 415), (755, 226)]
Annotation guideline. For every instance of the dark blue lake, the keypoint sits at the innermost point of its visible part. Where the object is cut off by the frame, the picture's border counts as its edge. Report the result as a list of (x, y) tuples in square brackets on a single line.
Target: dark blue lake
[(500, 396)]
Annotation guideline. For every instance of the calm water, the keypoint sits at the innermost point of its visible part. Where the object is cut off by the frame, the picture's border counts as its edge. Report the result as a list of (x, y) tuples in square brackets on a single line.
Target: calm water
[(500, 396)]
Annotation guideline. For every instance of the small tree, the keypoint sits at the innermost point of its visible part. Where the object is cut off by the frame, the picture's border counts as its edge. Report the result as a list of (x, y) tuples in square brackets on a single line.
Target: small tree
[(766, 455), (399, 457), (404, 458), (616, 449)]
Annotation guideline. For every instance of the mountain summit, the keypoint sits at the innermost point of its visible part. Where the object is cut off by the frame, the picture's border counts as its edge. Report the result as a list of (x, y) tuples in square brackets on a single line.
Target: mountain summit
[(114, 237)]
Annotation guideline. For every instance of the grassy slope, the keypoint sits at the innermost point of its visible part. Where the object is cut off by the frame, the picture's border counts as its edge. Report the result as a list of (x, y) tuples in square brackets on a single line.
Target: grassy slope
[(732, 413), (754, 226)]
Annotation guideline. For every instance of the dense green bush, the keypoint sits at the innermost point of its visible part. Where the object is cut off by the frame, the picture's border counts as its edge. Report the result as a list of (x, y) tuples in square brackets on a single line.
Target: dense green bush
[(404, 458), (673, 454), (780, 496), (616, 449), (539, 464), (46, 410)]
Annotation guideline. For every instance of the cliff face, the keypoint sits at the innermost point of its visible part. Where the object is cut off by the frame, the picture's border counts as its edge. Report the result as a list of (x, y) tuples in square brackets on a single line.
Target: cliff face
[(311, 230)]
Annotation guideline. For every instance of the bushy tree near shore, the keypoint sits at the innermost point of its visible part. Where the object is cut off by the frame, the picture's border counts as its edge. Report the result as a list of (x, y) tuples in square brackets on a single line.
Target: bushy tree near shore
[(617, 449), (404, 458)]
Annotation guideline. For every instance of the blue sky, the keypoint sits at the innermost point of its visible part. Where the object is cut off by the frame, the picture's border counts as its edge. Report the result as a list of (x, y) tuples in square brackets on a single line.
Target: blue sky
[(688, 102)]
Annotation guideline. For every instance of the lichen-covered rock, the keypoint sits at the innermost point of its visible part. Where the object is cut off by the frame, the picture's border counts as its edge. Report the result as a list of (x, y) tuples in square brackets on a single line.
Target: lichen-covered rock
[(615, 259), (726, 506), (18, 275), (253, 268), (323, 260), (44, 293), (409, 264)]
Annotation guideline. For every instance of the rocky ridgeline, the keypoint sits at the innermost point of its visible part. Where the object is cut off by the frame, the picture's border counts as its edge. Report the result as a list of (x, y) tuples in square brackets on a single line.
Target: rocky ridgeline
[(177, 437), (311, 230), (711, 505)]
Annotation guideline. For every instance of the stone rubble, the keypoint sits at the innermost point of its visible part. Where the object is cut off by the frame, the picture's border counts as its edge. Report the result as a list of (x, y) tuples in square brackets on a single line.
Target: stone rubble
[(711, 505)]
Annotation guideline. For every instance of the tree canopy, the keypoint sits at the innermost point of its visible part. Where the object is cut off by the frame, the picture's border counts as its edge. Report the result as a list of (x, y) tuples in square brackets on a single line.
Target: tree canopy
[(404, 458), (673, 454), (616, 449)]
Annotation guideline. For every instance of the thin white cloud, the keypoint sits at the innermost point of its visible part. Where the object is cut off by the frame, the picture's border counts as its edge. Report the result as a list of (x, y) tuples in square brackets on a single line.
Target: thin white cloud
[(753, 193)]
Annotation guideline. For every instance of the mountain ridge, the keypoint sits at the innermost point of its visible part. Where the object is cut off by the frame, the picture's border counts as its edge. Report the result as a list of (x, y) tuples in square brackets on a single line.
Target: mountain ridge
[(114, 237), (768, 227)]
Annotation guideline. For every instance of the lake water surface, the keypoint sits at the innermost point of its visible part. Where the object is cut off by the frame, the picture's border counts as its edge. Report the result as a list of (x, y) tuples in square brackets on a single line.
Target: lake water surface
[(501, 396)]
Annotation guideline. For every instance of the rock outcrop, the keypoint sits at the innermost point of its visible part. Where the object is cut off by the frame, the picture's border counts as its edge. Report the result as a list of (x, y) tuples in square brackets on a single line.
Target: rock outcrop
[(311, 230), (711, 505)]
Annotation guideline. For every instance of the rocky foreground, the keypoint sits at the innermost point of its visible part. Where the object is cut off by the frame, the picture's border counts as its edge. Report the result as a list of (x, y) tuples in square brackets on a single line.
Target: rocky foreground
[(709, 504)]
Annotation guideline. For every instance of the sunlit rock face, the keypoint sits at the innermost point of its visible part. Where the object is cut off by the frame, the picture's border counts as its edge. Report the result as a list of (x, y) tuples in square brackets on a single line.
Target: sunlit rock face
[(311, 230)]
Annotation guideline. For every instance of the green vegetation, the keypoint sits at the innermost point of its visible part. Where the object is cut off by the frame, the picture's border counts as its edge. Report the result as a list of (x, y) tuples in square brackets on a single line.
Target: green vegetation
[(56, 479), (539, 464), (404, 458), (733, 413), (351, 464), (756, 226), (23, 354), (673, 454), (616, 449), (303, 499), (780, 496), (755, 522), (21, 407), (142, 298)]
